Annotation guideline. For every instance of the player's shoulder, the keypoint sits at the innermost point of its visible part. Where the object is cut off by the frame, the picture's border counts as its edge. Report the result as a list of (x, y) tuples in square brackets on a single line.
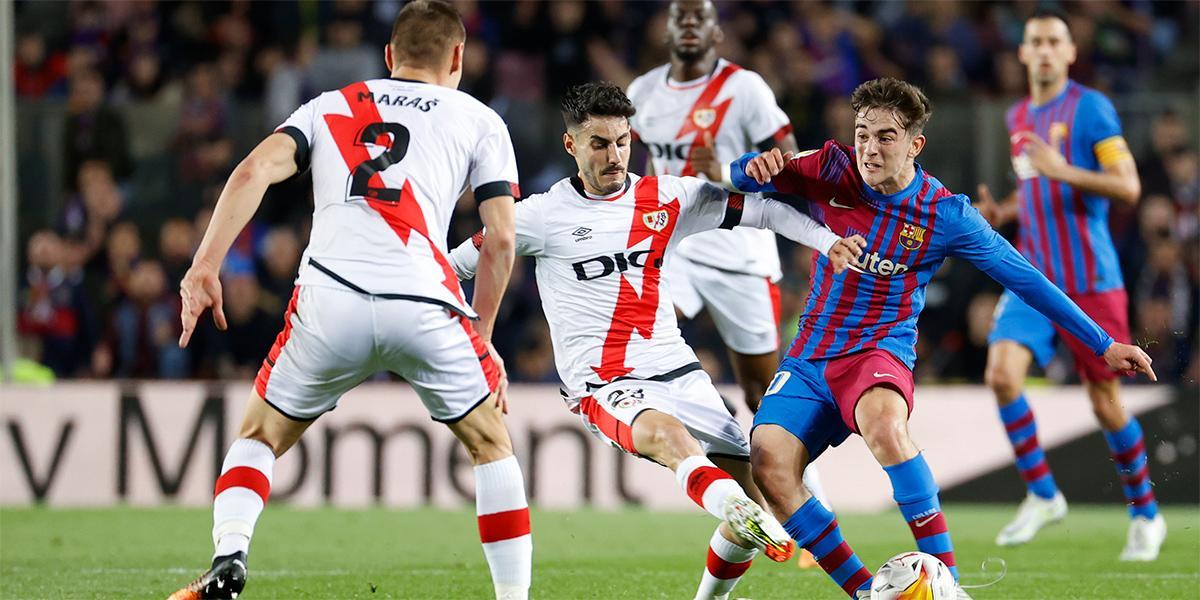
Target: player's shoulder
[(1015, 109), (1091, 99), (645, 82)]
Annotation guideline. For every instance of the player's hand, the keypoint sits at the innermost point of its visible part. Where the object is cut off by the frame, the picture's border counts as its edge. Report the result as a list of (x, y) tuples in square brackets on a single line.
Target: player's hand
[(1044, 157), (502, 386), (1125, 358), (200, 289), (845, 251), (986, 204), (767, 165), (704, 159)]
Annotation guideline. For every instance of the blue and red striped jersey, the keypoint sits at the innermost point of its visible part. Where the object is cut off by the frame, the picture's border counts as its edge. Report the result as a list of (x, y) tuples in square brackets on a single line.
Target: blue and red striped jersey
[(875, 303), (1064, 231)]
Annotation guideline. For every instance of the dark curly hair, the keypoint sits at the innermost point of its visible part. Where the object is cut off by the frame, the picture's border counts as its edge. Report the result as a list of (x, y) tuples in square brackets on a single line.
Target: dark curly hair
[(907, 100), (597, 99)]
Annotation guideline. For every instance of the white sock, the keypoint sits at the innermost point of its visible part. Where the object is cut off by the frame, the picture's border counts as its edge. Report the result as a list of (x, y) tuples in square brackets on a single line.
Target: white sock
[(726, 563), (240, 495), (812, 481), (706, 484), (503, 515)]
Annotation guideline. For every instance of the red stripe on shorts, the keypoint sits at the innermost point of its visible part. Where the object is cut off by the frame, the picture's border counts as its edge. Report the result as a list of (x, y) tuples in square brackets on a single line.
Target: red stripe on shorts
[(497, 527), (491, 371), (244, 477), (264, 372)]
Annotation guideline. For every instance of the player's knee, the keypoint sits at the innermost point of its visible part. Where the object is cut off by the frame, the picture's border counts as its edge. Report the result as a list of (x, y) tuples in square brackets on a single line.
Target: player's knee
[(1004, 382), (775, 478), (887, 437)]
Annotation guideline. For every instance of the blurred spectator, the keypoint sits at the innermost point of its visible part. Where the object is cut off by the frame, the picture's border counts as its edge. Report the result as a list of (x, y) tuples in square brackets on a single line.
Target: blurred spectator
[(124, 250), (38, 72), (93, 130), (1164, 299), (145, 328), (53, 311), (176, 244), (344, 58), (252, 329), (151, 101), (280, 264)]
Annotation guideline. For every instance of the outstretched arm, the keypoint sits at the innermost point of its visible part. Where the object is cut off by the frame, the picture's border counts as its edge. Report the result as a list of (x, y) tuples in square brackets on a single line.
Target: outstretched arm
[(272, 161), (767, 213), (981, 245), (495, 261)]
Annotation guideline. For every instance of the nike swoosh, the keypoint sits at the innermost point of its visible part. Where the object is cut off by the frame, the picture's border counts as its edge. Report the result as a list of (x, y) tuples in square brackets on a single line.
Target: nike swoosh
[(877, 374), (925, 521), (834, 203)]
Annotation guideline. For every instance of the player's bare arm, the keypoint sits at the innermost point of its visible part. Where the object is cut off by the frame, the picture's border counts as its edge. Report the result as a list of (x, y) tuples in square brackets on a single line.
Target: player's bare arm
[(491, 277), (272, 161), (1118, 181)]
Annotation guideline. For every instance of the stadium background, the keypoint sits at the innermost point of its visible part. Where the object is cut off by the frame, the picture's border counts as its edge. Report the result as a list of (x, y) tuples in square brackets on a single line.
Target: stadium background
[(129, 116)]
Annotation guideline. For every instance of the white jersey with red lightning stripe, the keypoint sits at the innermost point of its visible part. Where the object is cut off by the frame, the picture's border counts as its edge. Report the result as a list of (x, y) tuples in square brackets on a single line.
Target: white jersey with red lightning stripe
[(737, 109), (599, 261), (390, 158)]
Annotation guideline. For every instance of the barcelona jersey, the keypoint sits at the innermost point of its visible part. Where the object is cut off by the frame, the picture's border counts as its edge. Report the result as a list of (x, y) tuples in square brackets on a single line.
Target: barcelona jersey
[(1064, 231), (875, 303)]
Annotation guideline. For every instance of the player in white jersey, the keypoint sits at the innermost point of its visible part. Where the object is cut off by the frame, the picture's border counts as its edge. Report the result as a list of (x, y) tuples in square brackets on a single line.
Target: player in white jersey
[(601, 240), (390, 158), (696, 114)]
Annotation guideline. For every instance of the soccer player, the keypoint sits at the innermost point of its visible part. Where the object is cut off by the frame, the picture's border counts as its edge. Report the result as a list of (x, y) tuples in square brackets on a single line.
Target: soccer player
[(389, 159), (695, 114), (1070, 160), (601, 240), (849, 369)]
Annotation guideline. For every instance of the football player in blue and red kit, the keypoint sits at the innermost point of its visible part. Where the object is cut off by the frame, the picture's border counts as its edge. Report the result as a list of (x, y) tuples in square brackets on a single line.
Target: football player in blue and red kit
[(1071, 160), (849, 369)]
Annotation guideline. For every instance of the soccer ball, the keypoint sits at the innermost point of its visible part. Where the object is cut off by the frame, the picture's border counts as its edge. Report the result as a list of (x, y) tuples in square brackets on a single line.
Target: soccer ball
[(913, 576)]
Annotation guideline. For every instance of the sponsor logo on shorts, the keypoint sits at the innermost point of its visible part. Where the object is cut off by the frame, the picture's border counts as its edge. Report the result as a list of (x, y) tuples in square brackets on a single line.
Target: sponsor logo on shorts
[(625, 399)]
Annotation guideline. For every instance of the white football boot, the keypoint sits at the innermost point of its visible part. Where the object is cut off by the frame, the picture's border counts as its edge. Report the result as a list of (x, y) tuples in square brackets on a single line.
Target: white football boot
[(1145, 538), (1035, 513)]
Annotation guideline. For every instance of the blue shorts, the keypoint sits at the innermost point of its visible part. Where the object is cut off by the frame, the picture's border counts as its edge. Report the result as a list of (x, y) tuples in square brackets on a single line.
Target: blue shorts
[(1018, 322), (815, 400), (800, 401)]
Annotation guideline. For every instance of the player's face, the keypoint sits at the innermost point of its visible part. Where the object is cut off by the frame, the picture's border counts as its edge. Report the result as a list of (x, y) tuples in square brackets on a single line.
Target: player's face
[(601, 149), (692, 28), (884, 149), (1047, 51)]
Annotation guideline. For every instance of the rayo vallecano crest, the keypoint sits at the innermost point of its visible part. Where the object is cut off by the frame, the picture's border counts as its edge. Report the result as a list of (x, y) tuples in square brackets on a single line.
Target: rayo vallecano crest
[(911, 236), (656, 220), (704, 117)]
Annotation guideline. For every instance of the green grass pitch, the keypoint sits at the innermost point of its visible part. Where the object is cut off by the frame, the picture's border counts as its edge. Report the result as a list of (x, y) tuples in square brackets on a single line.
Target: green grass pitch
[(326, 553)]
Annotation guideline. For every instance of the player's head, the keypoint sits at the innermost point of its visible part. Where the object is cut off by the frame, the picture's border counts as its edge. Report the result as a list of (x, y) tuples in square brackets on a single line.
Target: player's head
[(692, 29), (428, 35), (1047, 50), (598, 134), (889, 117)]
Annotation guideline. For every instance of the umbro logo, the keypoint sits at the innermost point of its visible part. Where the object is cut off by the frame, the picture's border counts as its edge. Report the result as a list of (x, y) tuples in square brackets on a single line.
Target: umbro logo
[(582, 231)]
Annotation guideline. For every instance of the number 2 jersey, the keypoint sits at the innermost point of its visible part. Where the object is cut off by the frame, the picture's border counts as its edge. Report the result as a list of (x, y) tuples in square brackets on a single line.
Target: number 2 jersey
[(599, 266), (390, 158), (737, 108)]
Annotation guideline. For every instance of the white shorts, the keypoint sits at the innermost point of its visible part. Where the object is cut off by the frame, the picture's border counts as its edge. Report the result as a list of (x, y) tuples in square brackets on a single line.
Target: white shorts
[(745, 308), (333, 339), (610, 411)]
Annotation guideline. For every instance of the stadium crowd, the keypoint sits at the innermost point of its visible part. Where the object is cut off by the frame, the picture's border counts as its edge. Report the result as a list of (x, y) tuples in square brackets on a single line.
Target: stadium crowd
[(132, 114)]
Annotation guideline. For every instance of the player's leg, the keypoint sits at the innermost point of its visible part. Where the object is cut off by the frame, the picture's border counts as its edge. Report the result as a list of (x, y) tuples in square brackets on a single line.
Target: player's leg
[(500, 503), (1122, 431), (798, 414), (1019, 336), (305, 373), (449, 366)]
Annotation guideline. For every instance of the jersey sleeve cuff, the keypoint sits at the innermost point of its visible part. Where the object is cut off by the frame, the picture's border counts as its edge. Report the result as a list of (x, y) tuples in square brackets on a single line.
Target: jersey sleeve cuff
[(734, 206), (493, 189), (302, 149)]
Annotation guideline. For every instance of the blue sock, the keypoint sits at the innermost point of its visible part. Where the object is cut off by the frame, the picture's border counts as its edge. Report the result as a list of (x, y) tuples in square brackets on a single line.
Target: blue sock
[(1129, 452), (816, 529), (916, 493), (1031, 460)]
